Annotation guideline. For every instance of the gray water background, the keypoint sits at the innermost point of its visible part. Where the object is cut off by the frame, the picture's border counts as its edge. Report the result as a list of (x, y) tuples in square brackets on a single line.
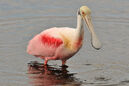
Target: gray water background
[(20, 20)]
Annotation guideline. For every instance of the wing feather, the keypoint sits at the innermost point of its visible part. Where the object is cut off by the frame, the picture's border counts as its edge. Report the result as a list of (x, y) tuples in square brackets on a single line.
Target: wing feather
[(51, 41)]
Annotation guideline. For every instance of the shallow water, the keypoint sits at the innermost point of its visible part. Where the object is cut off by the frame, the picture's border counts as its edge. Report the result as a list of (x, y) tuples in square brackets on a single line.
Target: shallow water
[(20, 20)]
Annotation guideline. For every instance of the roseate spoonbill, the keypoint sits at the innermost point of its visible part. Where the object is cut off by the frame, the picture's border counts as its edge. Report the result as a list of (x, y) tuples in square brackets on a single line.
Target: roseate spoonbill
[(62, 43)]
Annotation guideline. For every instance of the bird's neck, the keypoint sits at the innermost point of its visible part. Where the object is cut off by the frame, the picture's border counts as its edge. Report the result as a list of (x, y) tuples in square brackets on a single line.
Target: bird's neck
[(79, 29)]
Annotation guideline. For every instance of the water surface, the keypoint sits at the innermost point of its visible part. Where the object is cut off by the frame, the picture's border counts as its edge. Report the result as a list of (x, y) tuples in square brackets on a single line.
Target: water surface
[(20, 20)]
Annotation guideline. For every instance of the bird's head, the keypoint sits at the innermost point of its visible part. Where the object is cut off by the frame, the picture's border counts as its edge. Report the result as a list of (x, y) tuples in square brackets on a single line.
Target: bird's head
[(85, 12)]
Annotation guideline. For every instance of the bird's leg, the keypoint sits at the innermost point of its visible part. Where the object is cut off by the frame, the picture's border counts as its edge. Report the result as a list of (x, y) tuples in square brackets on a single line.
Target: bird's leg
[(45, 62), (49, 58), (63, 62)]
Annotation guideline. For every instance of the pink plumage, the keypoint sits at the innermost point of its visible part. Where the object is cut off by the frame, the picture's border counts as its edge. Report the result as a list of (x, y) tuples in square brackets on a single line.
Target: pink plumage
[(50, 44), (51, 41)]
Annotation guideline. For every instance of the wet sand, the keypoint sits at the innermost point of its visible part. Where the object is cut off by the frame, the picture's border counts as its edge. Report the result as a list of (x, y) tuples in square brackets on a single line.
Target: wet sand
[(21, 20)]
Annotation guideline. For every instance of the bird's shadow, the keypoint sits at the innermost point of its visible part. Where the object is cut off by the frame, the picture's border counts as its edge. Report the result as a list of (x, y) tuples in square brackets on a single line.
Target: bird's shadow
[(41, 75)]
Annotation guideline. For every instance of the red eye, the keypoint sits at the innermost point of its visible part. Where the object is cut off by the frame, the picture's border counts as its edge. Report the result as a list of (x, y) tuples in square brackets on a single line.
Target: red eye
[(83, 13)]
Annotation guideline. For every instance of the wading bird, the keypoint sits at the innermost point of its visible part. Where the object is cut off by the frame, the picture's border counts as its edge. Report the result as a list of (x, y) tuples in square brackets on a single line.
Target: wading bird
[(62, 43)]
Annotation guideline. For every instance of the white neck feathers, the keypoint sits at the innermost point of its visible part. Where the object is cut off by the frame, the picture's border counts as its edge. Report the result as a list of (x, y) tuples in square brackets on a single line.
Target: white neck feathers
[(79, 29)]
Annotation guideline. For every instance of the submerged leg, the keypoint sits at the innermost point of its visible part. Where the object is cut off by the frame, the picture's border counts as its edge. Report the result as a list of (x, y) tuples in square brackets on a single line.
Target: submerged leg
[(45, 62), (63, 62)]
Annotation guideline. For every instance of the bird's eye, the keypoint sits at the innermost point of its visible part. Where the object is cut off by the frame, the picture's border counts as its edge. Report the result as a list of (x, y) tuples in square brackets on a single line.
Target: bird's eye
[(83, 13)]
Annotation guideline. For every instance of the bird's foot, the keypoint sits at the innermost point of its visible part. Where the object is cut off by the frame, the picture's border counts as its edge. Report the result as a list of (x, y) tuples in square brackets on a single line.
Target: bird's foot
[(63, 62)]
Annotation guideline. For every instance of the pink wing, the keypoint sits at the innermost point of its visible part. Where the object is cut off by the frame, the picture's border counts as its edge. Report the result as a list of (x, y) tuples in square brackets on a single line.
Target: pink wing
[(51, 41), (43, 44)]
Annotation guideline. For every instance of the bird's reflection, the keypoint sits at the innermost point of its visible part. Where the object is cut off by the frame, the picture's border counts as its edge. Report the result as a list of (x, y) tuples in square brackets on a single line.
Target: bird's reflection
[(41, 75)]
